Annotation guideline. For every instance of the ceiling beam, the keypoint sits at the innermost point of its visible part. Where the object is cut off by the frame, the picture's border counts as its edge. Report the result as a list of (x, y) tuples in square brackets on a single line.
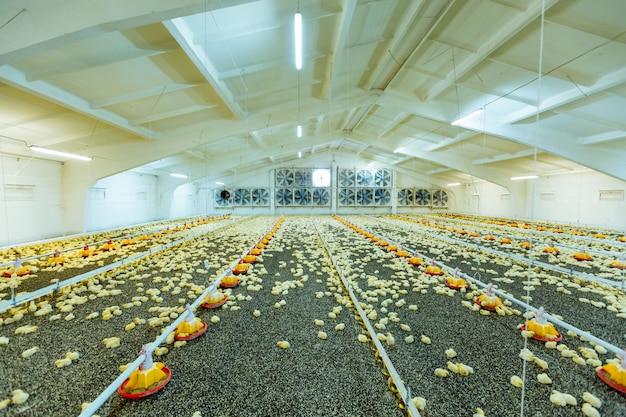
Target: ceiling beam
[(342, 28), (140, 94), (505, 157), (392, 124), (184, 35), (169, 114), (52, 93), (602, 137), (499, 38)]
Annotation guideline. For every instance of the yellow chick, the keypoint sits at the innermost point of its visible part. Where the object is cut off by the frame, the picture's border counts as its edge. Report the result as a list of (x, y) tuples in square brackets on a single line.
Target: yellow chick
[(340, 326), (450, 353), (592, 399), (283, 344), (544, 379), (589, 411), (425, 339), (19, 397), (441, 373), (516, 381), (322, 335)]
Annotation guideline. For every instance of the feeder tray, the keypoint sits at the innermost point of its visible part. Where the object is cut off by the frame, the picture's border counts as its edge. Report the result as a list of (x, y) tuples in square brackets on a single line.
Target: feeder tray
[(582, 257), (402, 253), (490, 237), (543, 338), (192, 336), (375, 239), (151, 390), (490, 308), (505, 241), (255, 252), (383, 243), (215, 304), (474, 234), (240, 269), (622, 239), (618, 265), (456, 287), (230, 282), (144, 237), (392, 248), (430, 270), (20, 273), (606, 378), (463, 231), (260, 246), (552, 251), (249, 259), (415, 261), (558, 230)]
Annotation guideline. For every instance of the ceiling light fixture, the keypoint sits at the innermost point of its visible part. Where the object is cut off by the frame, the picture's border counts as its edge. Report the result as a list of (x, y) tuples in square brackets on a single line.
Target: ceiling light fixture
[(298, 37), (400, 149), (524, 177), (467, 117), (177, 175), (299, 131), (299, 154), (453, 184), (219, 183), (59, 153)]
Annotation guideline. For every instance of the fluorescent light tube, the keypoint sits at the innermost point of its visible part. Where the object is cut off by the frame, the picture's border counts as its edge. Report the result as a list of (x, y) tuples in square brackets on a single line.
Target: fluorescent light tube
[(453, 184), (525, 177), (299, 154), (400, 149), (59, 153), (219, 183), (466, 118), (298, 35), (178, 175), (299, 131)]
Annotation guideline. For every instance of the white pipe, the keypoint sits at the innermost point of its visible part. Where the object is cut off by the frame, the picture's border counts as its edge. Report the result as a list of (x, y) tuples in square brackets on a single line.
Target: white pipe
[(112, 388), (554, 320), (404, 392), (15, 301)]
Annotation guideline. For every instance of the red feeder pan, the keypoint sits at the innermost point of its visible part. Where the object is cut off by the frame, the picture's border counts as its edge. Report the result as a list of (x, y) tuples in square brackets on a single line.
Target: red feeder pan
[(544, 339), (149, 391), (490, 308), (215, 305), (193, 335), (230, 283), (240, 269), (455, 287), (606, 378)]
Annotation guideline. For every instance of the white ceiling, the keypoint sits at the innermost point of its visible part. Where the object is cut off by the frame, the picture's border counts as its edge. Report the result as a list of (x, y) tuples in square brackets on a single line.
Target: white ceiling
[(209, 87)]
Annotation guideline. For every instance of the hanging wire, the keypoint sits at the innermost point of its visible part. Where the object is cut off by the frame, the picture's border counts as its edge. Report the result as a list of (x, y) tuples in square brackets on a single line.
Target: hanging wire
[(533, 187)]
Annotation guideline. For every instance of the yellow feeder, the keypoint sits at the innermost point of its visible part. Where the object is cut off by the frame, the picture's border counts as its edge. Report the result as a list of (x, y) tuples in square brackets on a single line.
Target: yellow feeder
[(149, 378), (241, 268), (505, 241), (456, 282), (614, 375), (415, 260), (190, 328), (622, 239), (214, 299), (229, 281), (542, 329), (433, 269), (551, 249), (109, 246), (525, 244), (619, 263), (582, 255), (489, 301), (249, 259), (383, 243), (17, 269), (128, 241), (402, 253), (490, 237), (56, 259)]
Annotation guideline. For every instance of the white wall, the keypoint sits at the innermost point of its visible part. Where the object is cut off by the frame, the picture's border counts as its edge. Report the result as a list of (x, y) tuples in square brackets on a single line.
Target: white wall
[(183, 201), (571, 198), (30, 199), (120, 200)]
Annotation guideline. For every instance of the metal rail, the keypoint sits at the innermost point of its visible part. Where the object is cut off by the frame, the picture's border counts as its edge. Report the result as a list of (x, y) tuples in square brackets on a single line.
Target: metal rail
[(527, 306), (50, 289), (405, 393), (112, 388), (77, 247), (555, 268)]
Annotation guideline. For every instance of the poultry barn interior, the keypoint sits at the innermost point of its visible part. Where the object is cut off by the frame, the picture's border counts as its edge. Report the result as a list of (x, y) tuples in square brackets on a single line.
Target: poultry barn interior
[(316, 207)]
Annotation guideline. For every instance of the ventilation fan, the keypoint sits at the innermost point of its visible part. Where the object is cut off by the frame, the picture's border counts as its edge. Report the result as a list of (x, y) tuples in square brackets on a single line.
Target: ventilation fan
[(321, 197), (440, 198), (405, 197), (422, 197), (222, 198), (346, 197), (382, 178), (260, 197), (346, 178), (364, 178), (303, 178), (241, 197), (301, 197), (364, 197), (284, 197), (284, 177), (382, 196)]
